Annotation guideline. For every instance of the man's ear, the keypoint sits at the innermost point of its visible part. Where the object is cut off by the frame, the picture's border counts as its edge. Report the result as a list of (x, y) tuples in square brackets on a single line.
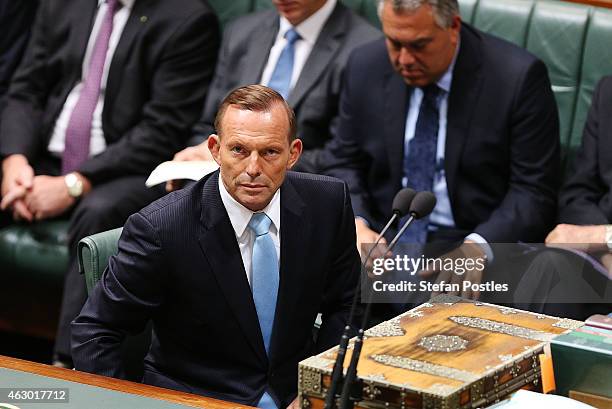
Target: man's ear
[(455, 29), (214, 146), (295, 150)]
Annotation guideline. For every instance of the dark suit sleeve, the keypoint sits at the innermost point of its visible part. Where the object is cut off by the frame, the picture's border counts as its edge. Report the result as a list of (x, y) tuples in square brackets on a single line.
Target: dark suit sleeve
[(528, 210), (341, 280), (16, 18), (25, 102), (127, 295), (178, 87), (578, 203), (342, 157), (218, 90)]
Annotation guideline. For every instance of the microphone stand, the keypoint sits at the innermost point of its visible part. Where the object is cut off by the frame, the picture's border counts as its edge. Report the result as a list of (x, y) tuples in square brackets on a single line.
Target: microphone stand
[(351, 374), (342, 348)]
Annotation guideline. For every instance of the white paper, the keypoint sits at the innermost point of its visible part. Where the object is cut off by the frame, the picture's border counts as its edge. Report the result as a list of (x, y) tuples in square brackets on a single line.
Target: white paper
[(523, 399), (174, 170)]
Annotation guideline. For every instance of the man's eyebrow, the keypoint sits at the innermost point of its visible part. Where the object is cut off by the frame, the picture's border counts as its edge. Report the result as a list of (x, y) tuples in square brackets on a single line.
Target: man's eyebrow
[(418, 41)]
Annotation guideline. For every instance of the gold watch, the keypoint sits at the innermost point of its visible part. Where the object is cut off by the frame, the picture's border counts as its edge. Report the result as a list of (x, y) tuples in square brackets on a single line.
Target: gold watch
[(74, 185)]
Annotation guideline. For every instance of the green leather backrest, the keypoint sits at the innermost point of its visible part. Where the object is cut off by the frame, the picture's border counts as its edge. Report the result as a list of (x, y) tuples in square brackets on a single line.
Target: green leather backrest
[(574, 41), (367, 9), (556, 36), (508, 19), (38, 250), (467, 9), (229, 9), (94, 252), (261, 4)]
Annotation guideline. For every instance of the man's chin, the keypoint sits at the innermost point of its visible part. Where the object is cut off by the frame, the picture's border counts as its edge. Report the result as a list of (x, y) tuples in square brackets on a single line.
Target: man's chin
[(254, 201), (416, 81)]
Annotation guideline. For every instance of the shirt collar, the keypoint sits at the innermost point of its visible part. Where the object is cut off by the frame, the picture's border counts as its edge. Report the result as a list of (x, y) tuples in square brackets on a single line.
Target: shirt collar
[(310, 28), (125, 3), (240, 216), (445, 82)]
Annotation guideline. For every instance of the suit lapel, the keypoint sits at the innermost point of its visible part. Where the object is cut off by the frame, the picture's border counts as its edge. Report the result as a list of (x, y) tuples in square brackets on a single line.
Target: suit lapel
[(218, 242), (259, 47), (82, 23), (396, 94), (463, 96), (328, 43), (136, 22), (294, 233)]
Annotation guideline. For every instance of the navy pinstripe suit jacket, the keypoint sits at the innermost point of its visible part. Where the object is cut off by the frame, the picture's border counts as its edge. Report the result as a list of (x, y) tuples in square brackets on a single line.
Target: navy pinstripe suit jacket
[(179, 264)]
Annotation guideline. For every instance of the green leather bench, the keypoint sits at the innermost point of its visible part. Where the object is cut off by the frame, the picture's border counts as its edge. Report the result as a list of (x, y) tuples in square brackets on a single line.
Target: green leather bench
[(93, 254), (572, 39), (94, 251)]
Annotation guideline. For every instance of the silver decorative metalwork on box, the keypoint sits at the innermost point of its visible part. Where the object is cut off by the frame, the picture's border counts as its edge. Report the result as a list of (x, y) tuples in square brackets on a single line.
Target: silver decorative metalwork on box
[(425, 367), (502, 328), (390, 328), (443, 343)]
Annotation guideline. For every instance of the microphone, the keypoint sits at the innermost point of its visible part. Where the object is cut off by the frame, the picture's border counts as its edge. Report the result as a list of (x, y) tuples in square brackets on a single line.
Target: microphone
[(421, 206), (401, 206)]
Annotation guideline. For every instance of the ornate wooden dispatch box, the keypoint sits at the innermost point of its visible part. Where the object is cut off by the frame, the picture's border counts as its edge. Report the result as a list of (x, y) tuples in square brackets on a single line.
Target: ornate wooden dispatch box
[(442, 355)]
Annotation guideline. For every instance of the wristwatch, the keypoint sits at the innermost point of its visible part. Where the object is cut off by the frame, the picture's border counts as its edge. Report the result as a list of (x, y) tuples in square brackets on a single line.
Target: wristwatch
[(74, 185), (609, 236)]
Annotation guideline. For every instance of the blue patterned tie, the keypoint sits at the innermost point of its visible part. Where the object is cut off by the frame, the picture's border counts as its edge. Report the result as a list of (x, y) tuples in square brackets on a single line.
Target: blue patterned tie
[(420, 163), (280, 80), (265, 284)]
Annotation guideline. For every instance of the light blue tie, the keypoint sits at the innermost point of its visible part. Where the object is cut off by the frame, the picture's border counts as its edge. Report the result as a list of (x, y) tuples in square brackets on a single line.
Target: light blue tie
[(265, 284), (280, 80)]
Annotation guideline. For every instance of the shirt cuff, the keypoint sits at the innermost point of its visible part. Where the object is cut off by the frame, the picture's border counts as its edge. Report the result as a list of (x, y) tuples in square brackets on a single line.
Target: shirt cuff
[(477, 238), (363, 219)]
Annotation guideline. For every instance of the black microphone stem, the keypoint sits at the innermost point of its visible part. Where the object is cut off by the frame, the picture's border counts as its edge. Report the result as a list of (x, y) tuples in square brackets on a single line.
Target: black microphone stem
[(342, 348), (351, 373), (401, 232)]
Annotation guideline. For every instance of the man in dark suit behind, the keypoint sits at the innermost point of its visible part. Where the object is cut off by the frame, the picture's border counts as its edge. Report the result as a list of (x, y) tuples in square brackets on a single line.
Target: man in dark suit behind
[(107, 89), (16, 18), (438, 105), (224, 324), (559, 282), (251, 52)]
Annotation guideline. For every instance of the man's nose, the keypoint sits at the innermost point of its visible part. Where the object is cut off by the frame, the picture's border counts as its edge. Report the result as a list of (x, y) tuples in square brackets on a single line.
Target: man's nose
[(253, 167), (405, 57)]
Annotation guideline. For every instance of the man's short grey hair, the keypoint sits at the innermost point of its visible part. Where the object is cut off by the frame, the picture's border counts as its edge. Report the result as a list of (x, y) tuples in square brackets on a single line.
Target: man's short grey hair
[(444, 10)]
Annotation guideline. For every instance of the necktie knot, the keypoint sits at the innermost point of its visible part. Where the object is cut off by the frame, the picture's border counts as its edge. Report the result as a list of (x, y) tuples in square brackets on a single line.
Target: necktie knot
[(431, 93), (260, 224), (113, 5), (292, 36)]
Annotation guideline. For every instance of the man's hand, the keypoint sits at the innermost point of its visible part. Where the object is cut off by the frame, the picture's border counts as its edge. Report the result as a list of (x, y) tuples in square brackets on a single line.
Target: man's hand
[(606, 261), (366, 237), (473, 263), (585, 238), (48, 197), (295, 404), (17, 179), (192, 153)]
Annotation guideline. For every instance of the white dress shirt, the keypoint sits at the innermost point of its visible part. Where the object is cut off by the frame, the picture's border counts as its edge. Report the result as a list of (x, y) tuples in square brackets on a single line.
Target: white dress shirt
[(240, 217), (97, 143), (309, 30)]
